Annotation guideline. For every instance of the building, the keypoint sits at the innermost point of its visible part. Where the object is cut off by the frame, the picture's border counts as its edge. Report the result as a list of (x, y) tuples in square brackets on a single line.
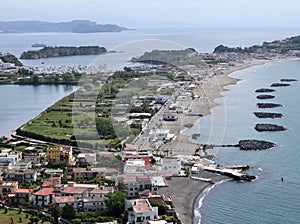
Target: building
[(61, 201), (136, 184), (132, 155), (44, 197), (140, 211), (24, 175), (60, 154), (171, 165), (6, 157), (34, 158), (8, 187), (161, 135), (21, 196), (88, 173), (135, 166)]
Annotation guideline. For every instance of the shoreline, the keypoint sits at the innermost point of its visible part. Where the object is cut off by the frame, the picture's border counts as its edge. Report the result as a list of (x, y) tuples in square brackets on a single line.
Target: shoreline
[(220, 82)]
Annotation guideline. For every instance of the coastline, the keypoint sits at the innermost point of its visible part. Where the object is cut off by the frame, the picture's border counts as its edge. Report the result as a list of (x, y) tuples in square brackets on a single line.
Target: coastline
[(194, 189)]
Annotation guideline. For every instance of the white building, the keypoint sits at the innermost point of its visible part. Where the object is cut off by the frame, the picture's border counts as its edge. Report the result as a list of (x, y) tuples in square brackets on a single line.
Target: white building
[(161, 135), (5, 157), (140, 211), (135, 166), (171, 165)]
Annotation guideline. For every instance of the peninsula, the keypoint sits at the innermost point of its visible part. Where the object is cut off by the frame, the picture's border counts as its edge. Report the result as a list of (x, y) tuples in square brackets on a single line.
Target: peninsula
[(75, 26), (48, 52)]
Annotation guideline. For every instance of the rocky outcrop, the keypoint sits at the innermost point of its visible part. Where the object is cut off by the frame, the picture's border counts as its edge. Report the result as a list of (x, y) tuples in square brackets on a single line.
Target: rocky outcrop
[(262, 97), (264, 90), (268, 105), (9, 58), (280, 84), (267, 115), (269, 127), (255, 145), (48, 52), (288, 80)]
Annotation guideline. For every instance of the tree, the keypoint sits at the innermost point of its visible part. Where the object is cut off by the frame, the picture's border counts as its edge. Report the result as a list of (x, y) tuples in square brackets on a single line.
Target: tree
[(55, 213), (68, 212), (115, 203)]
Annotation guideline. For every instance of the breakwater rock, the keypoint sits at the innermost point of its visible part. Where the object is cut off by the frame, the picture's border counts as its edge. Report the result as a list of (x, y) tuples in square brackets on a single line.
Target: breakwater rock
[(269, 127), (288, 80), (280, 84), (264, 90), (48, 52), (262, 97), (267, 115), (255, 145), (268, 105)]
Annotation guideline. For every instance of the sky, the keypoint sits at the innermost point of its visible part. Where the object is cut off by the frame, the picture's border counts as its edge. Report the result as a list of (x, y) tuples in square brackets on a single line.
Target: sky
[(136, 13)]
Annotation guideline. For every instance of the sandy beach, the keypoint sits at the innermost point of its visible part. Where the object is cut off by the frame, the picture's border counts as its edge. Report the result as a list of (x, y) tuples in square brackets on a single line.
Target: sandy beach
[(184, 190)]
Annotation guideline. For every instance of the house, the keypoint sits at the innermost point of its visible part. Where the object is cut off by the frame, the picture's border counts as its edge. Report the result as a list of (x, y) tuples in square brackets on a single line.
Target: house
[(136, 184), (88, 173), (5, 157), (132, 155), (34, 158), (44, 197), (171, 165), (24, 175), (21, 196), (140, 211), (61, 201), (60, 154), (8, 187), (135, 166), (161, 135)]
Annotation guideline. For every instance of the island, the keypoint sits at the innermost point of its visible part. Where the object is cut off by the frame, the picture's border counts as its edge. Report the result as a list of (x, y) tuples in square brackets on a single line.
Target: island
[(9, 58), (48, 52), (75, 26)]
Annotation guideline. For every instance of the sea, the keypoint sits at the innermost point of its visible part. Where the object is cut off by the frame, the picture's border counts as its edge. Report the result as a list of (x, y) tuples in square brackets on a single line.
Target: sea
[(265, 200)]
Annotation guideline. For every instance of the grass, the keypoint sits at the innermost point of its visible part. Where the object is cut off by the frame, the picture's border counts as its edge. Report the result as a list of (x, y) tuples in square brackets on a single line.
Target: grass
[(5, 218)]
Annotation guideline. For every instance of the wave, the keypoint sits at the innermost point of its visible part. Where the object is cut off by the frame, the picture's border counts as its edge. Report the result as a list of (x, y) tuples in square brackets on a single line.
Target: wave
[(200, 198)]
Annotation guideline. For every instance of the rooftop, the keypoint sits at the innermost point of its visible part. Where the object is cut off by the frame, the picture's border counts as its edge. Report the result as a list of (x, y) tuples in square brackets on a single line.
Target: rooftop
[(141, 206), (23, 191), (44, 192), (64, 199)]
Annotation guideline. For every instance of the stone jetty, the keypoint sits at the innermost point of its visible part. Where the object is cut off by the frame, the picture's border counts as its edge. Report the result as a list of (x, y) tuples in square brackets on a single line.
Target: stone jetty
[(280, 84), (268, 105), (262, 97), (264, 90), (255, 145), (268, 115), (269, 127)]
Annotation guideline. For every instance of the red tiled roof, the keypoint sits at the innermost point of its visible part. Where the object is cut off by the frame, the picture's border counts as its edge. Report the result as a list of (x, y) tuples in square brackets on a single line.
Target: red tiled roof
[(64, 199), (23, 190), (74, 190), (45, 191)]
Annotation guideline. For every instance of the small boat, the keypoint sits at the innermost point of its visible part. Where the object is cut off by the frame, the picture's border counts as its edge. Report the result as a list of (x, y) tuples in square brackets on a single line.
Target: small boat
[(38, 45)]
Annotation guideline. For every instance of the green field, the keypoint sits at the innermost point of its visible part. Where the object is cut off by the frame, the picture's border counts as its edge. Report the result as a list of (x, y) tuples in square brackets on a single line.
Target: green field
[(13, 216), (86, 115)]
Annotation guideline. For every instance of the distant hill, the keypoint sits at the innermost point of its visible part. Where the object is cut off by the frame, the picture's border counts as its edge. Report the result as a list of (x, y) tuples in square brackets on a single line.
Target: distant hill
[(48, 52), (288, 45), (75, 26)]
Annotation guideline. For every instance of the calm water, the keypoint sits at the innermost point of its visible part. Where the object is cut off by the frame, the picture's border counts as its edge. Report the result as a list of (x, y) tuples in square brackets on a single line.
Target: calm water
[(266, 200), (202, 39), (22, 103)]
